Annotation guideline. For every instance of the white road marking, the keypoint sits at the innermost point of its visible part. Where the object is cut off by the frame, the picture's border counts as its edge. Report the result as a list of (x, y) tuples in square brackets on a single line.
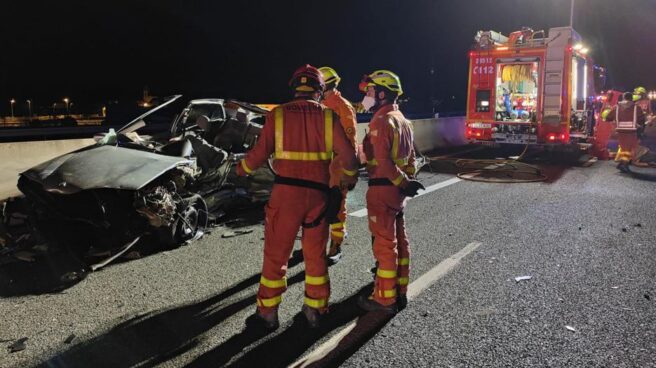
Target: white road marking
[(432, 188), (414, 289)]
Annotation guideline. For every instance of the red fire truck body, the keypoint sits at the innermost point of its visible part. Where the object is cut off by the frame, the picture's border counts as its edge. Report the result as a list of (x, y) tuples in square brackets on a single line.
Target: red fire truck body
[(530, 88)]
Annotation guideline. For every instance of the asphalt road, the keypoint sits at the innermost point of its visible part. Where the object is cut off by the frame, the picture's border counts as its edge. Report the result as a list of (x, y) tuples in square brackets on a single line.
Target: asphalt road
[(586, 237)]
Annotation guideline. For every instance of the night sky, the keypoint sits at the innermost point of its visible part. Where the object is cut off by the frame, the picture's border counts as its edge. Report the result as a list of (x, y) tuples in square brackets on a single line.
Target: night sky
[(93, 51)]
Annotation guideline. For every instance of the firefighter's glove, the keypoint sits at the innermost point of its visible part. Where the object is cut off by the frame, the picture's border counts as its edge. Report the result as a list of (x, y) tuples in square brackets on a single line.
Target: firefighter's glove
[(333, 205), (411, 189)]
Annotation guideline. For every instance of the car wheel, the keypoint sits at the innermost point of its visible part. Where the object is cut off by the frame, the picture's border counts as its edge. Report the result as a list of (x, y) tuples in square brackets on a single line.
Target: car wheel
[(189, 223)]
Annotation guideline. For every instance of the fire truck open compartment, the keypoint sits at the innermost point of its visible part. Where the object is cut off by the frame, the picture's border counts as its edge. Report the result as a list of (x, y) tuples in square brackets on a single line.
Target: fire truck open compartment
[(516, 91)]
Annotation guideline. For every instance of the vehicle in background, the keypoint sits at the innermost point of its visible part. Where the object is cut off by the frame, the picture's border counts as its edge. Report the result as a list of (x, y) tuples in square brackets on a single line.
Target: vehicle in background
[(531, 88)]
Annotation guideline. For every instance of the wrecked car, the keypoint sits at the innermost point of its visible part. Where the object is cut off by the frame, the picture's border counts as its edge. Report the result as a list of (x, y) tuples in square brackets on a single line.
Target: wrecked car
[(168, 185)]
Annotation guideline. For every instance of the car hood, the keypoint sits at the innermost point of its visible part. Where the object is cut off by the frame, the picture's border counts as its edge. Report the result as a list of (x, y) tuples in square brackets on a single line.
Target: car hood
[(102, 166)]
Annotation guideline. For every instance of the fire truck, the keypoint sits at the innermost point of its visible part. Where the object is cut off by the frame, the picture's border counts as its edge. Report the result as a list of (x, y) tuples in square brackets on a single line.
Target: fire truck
[(531, 87)]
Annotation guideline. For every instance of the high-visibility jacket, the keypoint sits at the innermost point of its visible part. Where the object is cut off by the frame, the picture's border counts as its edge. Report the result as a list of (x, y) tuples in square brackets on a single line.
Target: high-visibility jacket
[(302, 136), (627, 116), (389, 146), (346, 113)]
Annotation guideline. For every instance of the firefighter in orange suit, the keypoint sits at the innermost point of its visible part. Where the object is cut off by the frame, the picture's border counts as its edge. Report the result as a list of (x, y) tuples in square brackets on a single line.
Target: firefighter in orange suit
[(303, 136), (391, 165), (628, 118), (333, 99)]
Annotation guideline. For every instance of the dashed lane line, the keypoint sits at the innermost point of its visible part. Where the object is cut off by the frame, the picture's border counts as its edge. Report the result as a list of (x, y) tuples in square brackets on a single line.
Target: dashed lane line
[(431, 188), (414, 289)]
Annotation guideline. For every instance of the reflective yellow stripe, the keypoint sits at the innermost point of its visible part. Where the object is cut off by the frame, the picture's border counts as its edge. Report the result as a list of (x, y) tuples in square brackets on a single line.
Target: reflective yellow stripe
[(245, 167), (316, 303), (350, 172), (373, 162), (280, 152), (398, 180), (404, 261), (386, 274), (410, 170), (268, 303), (387, 293), (316, 280), (328, 130), (337, 225), (395, 145), (403, 281), (278, 113), (337, 233), (273, 284)]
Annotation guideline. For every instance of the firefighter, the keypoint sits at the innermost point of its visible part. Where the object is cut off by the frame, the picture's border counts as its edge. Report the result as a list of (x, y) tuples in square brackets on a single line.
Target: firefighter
[(302, 135), (333, 99), (390, 162), (641, 99), (628, 118)]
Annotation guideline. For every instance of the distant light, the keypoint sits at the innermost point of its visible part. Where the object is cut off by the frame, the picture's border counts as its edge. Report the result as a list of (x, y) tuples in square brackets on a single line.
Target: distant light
[(578, 46), (66, 99), (146, 104), (12, 101)]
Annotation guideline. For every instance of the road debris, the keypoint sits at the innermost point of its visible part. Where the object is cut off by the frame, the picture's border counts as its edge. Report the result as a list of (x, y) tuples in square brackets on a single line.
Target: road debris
[(523, 278), (69, 339), (125, 248), (18, 345), (231, 234), (570, 328)]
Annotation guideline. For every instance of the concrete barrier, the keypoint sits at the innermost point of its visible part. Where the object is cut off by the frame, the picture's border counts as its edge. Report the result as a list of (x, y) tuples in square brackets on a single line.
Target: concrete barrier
[(431, 134), (17, 157)]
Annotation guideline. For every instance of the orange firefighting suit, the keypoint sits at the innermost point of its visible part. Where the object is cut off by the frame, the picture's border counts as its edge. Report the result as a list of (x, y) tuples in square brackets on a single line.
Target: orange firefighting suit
[(628, 118), (302, 136), (390, 160), (346, 113)]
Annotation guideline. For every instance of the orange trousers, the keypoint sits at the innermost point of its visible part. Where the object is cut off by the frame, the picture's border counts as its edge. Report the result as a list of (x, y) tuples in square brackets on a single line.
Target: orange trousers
[(391, 247), (338, 230), (628, 143), (288, 209)]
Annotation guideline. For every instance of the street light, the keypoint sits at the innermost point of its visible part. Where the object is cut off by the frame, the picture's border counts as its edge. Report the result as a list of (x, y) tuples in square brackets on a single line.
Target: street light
[(571, 15), (66, 100), (29, 108), (11, 103)]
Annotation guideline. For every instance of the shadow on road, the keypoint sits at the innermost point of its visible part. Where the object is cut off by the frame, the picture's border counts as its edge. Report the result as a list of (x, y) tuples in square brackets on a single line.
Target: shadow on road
[(157, 337), (289, 345)]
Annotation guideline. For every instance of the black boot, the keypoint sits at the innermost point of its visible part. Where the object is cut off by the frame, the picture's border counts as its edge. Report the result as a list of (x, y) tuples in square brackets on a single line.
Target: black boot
[(267, 321), (402, 301), (334, 253), (371, 305), (312, 316)]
